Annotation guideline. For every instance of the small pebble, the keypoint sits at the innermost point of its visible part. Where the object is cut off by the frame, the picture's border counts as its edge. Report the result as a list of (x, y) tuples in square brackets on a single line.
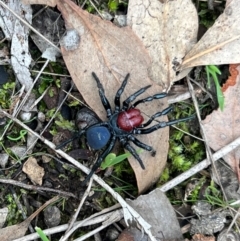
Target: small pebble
[(52, 216)]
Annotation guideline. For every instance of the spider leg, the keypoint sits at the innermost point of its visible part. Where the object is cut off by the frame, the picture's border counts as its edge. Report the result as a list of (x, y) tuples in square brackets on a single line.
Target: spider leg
[(77, 135), (153, 117), (160, 125), (133, 97), (150, 98), (103, 98), (100, 160), (142, 145), (128, 147), (119, 93)]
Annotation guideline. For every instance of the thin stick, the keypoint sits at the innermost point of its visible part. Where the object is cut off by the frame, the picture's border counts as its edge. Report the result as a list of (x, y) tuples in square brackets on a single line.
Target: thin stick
[(204, 135), (36, 188), (200, 166), (70, 230), (92, 220)]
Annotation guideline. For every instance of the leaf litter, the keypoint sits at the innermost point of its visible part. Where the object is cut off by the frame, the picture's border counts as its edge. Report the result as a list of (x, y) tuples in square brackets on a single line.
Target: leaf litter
[(222, 127), (17, 231), (113, 52), (221, 43), (17, 32), (108, 48), (198, 56), (166, 34)]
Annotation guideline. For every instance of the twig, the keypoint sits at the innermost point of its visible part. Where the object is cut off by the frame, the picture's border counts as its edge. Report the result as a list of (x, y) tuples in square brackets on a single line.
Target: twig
[(40, 98), (129, 212), (51, 74), (36, 188), (20, 207), (209, 152), (178, 98), (50, 121), (70, 230), (187, 133), (203, 164), (89, 221), (200, 166), (97, 230)]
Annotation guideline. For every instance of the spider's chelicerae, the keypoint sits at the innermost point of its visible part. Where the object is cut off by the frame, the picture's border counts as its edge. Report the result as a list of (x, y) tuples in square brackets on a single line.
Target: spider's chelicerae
[(123, 124)]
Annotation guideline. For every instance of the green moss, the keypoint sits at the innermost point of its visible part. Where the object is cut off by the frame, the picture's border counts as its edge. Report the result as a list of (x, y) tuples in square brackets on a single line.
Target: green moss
[(6, 95)]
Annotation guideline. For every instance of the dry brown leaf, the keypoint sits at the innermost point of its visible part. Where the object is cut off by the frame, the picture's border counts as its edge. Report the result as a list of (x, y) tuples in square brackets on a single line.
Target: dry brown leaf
[(222, 127), (113, 52), (221, 43), (167, 34), (156, 209), (231, 81), (33, 170), (17, 231)]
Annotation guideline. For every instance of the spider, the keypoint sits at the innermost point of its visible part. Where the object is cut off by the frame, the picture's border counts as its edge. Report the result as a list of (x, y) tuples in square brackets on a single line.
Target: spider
[(123, 124)]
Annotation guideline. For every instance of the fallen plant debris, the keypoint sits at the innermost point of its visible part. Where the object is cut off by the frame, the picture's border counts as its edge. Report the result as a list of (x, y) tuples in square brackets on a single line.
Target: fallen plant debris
[(17, 231), (157, 47), (232, 79), (222, 126), (167, 36)]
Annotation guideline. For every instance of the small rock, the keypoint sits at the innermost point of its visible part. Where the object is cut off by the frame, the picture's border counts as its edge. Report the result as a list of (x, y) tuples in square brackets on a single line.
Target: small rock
[(31, 139), (3, 159), (120, 20), (46, 159), (3, 216), (132, 234), (25, 116), (106, 15), (51, 98), (52, 216), (112, 234), (202, 208), (41, 116), (19, 150)]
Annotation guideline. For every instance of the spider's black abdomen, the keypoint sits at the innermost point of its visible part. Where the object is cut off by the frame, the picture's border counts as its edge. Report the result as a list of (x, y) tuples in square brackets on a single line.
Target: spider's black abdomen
[(98, 137)]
